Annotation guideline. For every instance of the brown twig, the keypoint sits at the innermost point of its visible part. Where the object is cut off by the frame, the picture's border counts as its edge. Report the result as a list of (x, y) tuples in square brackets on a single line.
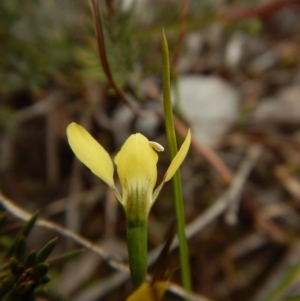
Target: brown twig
[(110, 7), (207, 153), (264, 222), (291, 184), (254, 153), (104, 61), (182, 30)]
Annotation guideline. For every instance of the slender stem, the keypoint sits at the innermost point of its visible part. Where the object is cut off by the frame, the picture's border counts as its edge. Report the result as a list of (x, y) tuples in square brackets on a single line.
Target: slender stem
[(137, 252), (183, 248), (136, 209)]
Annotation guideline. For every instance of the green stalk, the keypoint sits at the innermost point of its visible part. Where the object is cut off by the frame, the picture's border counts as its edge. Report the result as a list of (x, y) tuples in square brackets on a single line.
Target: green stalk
[(183, 247), (137, 252), (136, 225)]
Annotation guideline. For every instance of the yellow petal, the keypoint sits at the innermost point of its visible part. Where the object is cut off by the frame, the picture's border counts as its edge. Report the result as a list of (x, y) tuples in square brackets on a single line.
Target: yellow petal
[(90, 153), (176, 162), (148, 292), (136, 164)]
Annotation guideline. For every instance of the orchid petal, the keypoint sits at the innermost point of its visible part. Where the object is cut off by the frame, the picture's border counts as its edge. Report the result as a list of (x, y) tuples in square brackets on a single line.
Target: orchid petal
[(91, 153), (136, 166), (177, 160)]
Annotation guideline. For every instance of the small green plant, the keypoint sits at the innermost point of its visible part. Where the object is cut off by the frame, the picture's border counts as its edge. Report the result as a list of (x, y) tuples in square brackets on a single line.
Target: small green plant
[(23, 274)]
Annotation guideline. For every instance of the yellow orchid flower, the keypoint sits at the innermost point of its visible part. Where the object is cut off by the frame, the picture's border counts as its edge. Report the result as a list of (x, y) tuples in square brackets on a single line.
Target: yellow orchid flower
[(136, 168), (136, 163)]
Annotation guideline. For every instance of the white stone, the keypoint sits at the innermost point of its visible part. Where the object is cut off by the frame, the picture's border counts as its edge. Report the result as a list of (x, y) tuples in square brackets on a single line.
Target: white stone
[(282, 108), (210, 105)]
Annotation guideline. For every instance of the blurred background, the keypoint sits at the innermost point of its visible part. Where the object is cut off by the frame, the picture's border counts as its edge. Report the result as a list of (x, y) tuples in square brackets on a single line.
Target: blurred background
[(236, 70)]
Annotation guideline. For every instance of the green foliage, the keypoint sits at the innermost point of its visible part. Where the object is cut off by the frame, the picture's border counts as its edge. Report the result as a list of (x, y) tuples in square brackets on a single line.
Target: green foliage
[(34, 44), (119, 27), (120, 49), (22, 273), (24, 232), (173, 149)]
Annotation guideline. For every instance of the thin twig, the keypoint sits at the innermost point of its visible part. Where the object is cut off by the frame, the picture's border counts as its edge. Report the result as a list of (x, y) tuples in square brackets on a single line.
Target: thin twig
[(290, 183), (182, 30), (104, 61), (206, 152), (254, 153)]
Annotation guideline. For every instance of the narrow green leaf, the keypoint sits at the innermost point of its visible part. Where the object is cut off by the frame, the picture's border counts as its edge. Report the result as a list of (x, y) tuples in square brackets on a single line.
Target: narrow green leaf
[(29, 225), (46, 250), (171, 137), (30, 260), (65, 257), (23, 232), (21, 246)]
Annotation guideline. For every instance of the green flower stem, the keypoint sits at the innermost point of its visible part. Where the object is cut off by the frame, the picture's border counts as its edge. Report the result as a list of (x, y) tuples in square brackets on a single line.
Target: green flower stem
[(137, 251), (183, 247), (136, 223)]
